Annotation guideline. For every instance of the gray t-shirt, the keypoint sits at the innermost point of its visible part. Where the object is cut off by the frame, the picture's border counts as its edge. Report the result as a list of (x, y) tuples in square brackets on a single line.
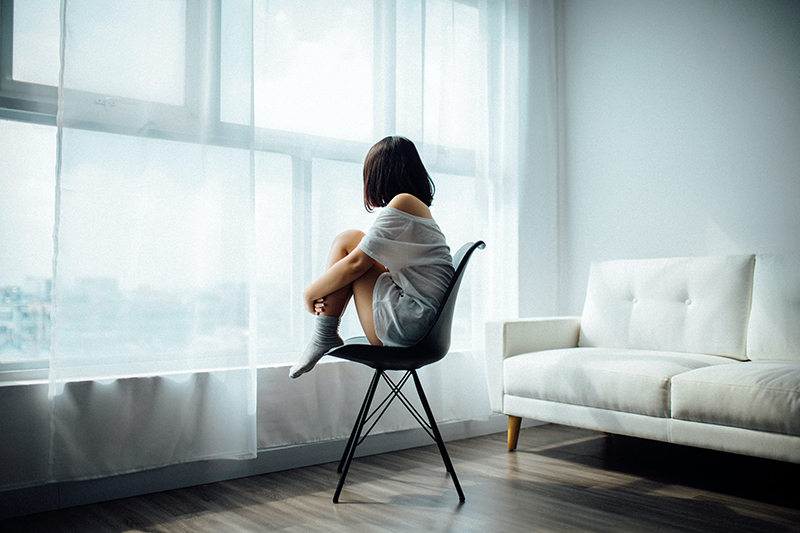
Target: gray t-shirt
[(420, 269)]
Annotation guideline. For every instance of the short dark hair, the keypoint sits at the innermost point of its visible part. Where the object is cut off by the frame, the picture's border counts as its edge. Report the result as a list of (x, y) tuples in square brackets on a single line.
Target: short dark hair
[(392, 167)]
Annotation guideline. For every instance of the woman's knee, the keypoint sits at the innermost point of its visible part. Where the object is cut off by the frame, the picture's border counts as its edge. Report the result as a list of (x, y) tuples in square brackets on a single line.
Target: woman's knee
[(348, 239)]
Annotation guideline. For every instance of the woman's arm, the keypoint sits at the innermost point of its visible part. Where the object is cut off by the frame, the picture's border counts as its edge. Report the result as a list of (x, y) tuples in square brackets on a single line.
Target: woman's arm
[(340, 275)]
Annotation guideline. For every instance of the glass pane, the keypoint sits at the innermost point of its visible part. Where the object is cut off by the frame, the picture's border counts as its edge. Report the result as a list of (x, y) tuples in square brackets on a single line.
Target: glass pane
[(152, 263), (278, 297), (127, 49), (36, 42), (409, 68), (452, 40), (27, 207), (314, 67), (236, 49)]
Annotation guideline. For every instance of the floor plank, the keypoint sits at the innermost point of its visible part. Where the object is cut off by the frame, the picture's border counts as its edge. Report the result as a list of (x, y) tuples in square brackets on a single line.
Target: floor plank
[(559, 479)]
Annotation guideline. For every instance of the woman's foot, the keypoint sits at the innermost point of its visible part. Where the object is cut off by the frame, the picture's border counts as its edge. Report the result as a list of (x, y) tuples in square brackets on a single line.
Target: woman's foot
[(325, 337)]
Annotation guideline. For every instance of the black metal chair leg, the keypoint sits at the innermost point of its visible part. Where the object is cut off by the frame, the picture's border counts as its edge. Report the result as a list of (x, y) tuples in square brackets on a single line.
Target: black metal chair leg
[(437, 436), (353, 443), (361, 414)]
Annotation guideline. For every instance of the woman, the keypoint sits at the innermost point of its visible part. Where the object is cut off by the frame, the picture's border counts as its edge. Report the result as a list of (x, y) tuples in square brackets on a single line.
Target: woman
[(397, 273)]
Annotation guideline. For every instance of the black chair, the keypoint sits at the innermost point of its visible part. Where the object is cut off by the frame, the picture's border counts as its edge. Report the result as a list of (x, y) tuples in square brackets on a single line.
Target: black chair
[(432, 348)]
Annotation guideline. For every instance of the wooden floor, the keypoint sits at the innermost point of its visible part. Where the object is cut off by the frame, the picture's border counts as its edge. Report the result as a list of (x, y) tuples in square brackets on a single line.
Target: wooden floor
[(559, 479)]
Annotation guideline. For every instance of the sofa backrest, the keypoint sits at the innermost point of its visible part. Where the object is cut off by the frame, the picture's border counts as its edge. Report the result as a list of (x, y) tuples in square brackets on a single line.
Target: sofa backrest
[(774, 329), (697, 304)]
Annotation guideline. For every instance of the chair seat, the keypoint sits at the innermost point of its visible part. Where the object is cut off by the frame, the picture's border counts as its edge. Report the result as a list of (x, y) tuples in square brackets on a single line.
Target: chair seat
[(359, 350)]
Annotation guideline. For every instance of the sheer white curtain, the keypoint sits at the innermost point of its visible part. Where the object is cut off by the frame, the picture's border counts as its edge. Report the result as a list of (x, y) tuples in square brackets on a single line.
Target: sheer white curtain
[(332, 78), (208, 152), (154, 244)]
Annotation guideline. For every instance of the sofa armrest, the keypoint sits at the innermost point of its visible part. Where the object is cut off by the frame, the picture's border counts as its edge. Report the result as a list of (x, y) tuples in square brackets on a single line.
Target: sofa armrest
[(507, 338)]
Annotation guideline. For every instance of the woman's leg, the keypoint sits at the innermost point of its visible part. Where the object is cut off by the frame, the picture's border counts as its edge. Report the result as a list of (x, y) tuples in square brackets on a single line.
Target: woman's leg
[(342, 245), (361, 289), (326, 330)]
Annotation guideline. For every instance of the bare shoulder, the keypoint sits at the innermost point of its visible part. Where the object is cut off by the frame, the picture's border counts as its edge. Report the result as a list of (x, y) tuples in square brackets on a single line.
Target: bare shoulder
[(411, 205)]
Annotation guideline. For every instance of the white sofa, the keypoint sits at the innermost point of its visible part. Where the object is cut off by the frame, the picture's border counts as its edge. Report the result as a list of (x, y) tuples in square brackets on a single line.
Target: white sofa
[(698, 351)]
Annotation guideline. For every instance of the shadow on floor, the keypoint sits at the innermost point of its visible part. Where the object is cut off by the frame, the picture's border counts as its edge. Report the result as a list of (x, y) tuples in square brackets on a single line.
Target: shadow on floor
[(753, 478)]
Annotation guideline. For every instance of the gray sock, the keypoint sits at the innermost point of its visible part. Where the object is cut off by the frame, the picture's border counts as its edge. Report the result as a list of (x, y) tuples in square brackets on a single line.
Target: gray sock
[(325, 337)]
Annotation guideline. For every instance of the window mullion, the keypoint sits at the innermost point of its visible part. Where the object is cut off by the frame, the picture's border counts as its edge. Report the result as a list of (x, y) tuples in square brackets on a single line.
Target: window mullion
[(203, 56)]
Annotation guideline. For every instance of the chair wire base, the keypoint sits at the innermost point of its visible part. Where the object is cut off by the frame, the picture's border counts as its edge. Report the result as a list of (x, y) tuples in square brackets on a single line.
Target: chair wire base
[(364, 416)]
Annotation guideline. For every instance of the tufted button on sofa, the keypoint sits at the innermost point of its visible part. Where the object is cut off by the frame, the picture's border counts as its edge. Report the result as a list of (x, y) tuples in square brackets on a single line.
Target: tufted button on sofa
[(702, 351)]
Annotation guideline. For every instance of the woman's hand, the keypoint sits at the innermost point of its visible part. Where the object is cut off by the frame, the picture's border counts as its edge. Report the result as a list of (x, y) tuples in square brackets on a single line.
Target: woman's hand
[(339, 275), (313, 306)]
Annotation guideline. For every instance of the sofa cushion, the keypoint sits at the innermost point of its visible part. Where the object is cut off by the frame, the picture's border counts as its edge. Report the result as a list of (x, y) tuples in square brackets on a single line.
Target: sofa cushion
[(694, 305), (759, 395), (774, 330), (634, 381)]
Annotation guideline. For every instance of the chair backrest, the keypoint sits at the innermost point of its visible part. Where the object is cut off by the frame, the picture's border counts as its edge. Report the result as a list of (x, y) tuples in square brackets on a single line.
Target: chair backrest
[(436, 341)]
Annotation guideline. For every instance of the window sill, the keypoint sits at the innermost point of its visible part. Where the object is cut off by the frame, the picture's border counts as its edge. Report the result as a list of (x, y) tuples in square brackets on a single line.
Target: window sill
[(24, 372)]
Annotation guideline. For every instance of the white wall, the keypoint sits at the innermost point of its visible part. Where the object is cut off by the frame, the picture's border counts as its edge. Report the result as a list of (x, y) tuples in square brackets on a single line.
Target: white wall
[(681, 132)]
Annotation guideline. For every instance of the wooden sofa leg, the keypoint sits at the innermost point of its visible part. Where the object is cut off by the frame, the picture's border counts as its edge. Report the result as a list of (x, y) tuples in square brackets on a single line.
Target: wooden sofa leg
[(513, 431)]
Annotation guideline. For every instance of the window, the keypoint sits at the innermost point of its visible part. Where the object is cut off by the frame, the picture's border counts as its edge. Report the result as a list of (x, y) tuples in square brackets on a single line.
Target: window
[(129, 50), (451, 74), (36, 42), (27, 200), (329, 79), (317, 71)]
